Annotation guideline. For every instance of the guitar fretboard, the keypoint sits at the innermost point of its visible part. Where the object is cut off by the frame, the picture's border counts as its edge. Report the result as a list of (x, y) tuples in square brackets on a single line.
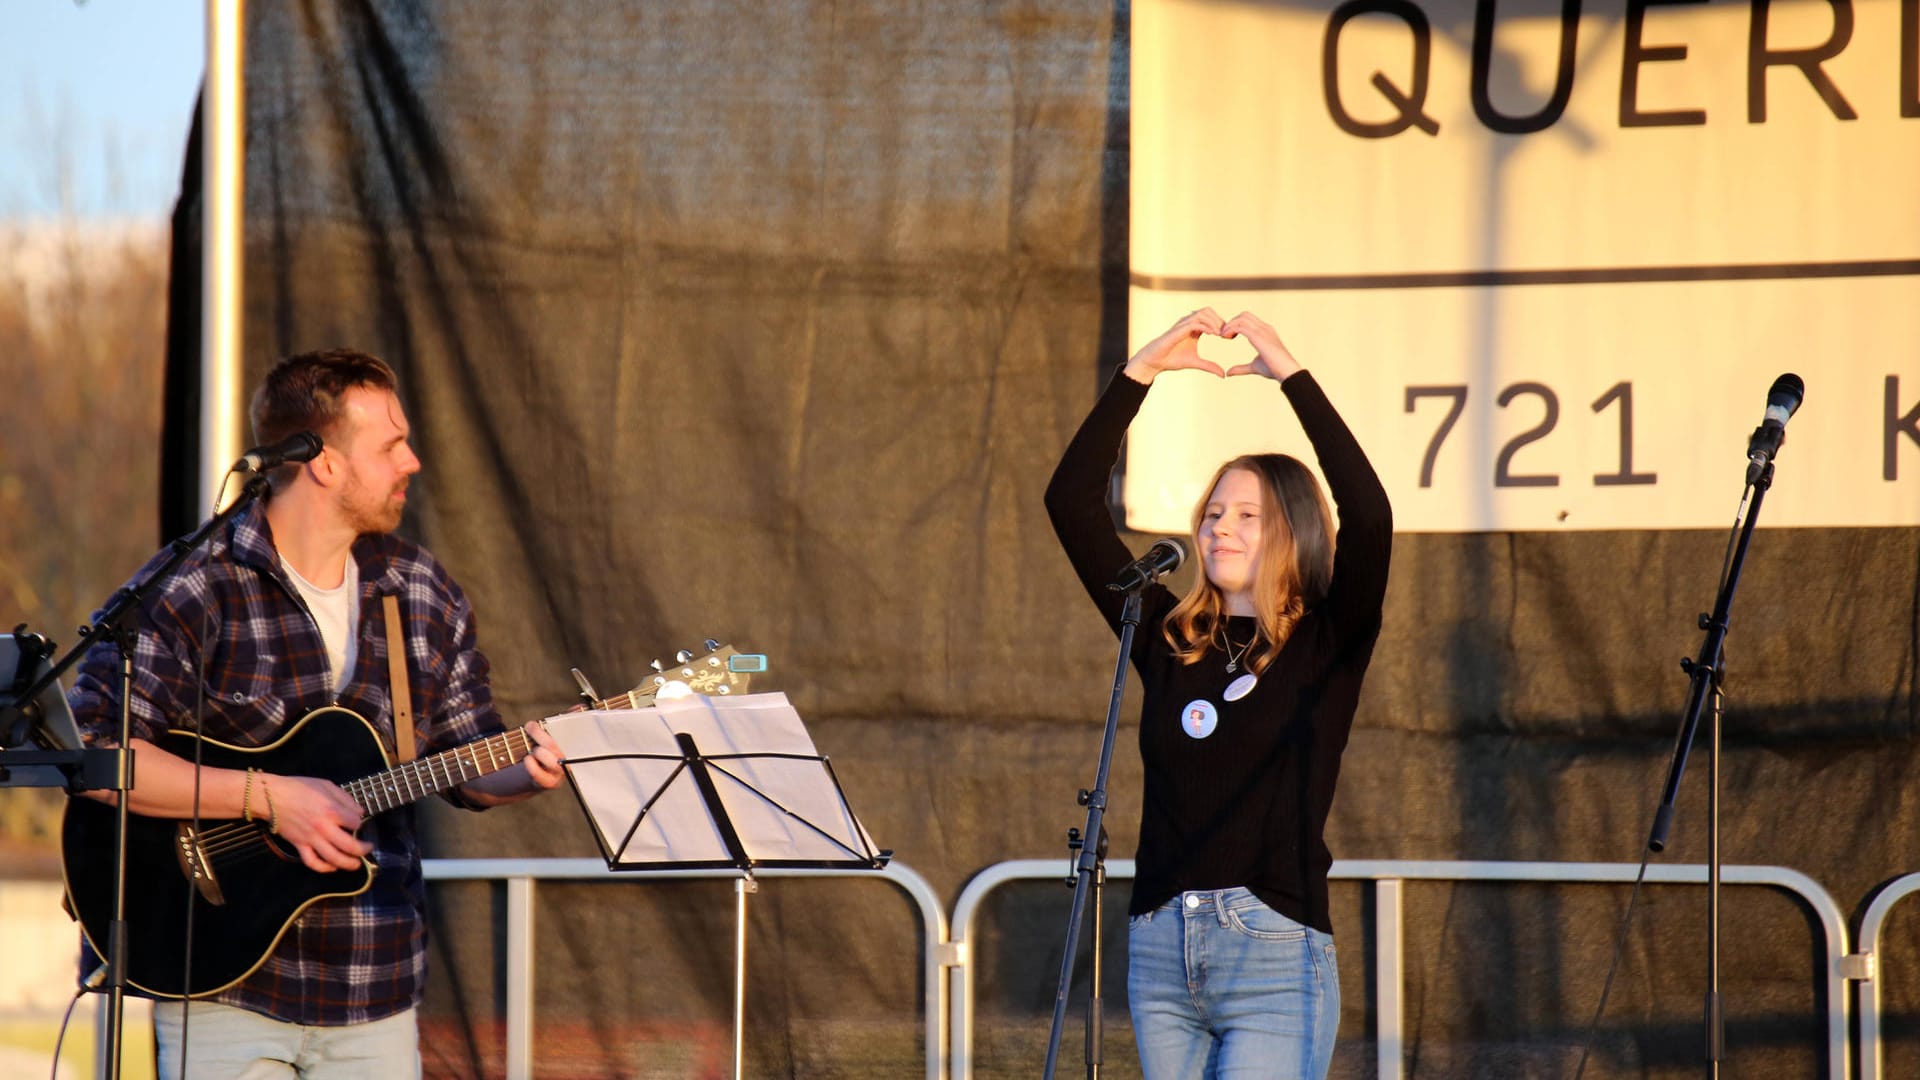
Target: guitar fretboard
[(432, 775), (632, 699)]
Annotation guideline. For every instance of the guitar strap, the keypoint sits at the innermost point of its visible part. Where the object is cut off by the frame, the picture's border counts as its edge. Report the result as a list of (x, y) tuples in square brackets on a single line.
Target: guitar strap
[(397, 679)]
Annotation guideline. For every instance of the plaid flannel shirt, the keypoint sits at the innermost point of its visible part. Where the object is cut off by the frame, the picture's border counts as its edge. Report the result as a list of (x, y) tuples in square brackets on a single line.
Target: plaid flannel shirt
[(345, 960)]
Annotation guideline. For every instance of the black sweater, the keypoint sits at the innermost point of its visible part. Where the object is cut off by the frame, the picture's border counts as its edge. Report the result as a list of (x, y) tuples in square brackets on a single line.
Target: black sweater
[(1247, 805)]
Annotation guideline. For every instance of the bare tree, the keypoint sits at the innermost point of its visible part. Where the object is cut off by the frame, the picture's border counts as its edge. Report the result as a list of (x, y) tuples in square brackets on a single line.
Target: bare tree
[(82, 344)]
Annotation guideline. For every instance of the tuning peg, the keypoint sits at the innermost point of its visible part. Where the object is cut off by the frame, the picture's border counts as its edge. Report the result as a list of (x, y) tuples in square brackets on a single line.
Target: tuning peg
[(711, 645), (657, 665), (682, 656)]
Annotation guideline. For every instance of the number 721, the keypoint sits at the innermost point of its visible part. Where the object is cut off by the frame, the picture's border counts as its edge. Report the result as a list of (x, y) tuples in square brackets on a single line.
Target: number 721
[(1503, 474)]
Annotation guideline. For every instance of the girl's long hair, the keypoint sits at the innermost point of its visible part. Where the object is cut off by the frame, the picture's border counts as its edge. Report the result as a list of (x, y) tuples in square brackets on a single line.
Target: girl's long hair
[(1296, 564)]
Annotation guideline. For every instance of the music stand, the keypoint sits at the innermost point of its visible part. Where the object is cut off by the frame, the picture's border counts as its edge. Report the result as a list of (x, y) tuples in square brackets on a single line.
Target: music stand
[(701, 782)]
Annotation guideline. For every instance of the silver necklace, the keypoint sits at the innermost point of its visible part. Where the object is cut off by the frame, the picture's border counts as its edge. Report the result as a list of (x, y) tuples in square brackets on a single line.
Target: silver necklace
[(1233, 658)]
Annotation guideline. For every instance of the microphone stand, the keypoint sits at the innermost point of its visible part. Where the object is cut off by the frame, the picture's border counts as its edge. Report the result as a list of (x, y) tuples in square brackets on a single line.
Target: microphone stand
[(1089, 849), (1707, 676), (112, 626)]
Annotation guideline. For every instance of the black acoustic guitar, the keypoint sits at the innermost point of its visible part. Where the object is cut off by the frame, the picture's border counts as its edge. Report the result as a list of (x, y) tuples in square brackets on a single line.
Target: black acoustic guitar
[(250, 885)]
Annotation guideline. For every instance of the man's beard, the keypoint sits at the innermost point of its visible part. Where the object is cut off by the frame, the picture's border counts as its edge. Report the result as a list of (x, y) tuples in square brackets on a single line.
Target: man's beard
[(381, 518)]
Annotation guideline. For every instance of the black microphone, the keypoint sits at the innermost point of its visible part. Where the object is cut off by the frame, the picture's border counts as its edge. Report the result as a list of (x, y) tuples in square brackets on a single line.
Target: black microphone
[(299, 446), (1164, 557), (1764, 445)]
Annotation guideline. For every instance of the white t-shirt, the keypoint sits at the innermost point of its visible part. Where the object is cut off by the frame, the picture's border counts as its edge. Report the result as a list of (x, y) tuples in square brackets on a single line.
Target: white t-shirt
[(337, 611)]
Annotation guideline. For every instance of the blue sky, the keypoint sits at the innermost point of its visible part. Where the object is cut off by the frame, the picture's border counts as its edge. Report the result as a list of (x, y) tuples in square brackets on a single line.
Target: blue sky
[(95, 101)]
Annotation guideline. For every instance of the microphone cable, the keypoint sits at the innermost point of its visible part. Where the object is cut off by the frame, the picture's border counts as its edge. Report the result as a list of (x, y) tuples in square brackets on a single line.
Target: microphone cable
[(53, 1070), (1620, 935), (1646, 855), (1613, 966), (199, 742)]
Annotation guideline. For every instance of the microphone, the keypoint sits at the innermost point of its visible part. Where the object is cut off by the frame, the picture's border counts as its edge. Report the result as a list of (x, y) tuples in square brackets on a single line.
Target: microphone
[(299, 446), (1164, 557), (1764, 445)]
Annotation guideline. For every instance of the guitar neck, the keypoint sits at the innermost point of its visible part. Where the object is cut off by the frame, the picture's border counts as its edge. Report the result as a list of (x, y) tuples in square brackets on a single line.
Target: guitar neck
[(431, 775), (637, 698)]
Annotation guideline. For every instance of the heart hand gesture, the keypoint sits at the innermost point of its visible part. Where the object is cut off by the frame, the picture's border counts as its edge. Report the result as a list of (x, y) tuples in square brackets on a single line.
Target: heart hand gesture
[(1272, 359), (1177, 349)]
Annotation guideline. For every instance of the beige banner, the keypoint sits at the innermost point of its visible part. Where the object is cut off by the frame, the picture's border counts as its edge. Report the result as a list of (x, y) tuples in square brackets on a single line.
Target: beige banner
[(1547, 269)]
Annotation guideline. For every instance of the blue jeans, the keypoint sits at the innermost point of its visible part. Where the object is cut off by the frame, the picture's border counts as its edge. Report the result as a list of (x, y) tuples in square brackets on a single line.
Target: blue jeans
[(1223, 987)]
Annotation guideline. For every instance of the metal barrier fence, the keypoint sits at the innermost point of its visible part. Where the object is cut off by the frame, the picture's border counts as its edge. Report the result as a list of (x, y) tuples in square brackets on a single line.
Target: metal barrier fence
[(520, 875), (1389, 877), (1865, 966), (948, 955)]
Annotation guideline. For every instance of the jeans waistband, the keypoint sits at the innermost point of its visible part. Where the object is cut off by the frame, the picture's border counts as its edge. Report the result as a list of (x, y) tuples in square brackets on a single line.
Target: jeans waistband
[(1212, 901)]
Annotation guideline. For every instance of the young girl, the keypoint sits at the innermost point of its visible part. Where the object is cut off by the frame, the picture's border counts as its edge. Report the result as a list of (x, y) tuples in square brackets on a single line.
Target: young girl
[(1250, 684)]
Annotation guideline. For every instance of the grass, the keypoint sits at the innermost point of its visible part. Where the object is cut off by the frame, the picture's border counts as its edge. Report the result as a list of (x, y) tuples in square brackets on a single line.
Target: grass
[(26, 1048)]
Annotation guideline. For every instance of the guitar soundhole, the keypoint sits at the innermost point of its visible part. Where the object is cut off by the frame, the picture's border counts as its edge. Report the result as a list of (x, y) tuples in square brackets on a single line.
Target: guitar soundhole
[(279, 848)]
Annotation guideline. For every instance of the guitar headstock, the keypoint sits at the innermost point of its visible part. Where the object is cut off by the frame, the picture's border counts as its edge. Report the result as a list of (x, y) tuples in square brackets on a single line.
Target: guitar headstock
[(722, 672)]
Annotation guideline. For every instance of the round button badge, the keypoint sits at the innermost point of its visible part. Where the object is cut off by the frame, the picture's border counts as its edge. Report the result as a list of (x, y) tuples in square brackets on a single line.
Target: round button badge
[(1199, 718)]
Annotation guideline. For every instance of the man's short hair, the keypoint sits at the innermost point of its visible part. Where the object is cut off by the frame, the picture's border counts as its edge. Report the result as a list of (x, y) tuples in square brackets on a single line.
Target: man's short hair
[(306, 392)]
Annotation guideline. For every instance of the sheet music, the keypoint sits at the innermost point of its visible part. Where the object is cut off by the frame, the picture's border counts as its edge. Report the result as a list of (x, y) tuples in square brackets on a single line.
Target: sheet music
[(781, 808)]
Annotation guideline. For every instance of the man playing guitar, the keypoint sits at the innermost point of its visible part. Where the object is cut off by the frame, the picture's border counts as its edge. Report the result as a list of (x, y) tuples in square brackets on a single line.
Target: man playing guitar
[(280, 615)]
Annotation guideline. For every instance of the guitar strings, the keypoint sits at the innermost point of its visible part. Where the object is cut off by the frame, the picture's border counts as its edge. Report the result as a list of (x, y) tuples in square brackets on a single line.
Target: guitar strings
[(245, 836)]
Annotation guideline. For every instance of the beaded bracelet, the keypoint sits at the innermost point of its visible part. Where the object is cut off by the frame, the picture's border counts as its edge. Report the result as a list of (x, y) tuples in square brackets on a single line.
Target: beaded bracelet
[(246, 798)]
